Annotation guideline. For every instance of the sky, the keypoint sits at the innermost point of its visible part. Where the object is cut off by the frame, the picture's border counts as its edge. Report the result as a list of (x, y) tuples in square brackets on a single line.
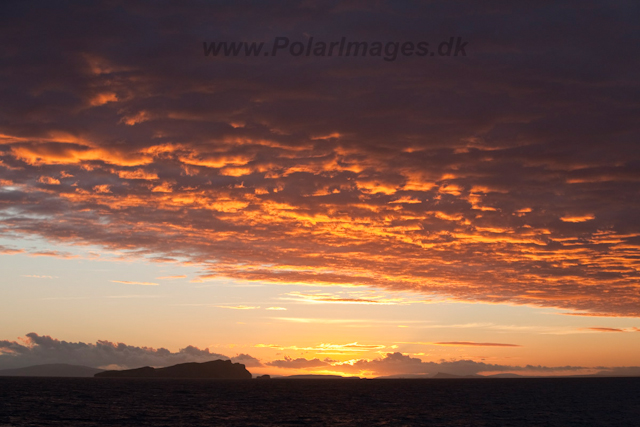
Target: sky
[(375, 215)]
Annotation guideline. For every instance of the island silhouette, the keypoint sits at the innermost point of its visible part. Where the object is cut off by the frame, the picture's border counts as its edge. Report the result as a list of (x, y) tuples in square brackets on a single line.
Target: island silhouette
[(215, 369)]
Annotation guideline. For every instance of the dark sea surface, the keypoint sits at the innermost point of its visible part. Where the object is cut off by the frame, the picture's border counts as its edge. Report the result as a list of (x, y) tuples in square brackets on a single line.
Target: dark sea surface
[(438, 402)]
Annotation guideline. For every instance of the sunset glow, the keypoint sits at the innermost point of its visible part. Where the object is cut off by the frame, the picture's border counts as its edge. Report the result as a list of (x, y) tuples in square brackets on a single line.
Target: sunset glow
[(474, 214)]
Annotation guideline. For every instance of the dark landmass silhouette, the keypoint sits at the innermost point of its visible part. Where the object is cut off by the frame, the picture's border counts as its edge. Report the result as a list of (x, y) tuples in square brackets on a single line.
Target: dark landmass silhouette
[(263, 377), (51, 370), (445, 375), (215, 369), (401, 377)]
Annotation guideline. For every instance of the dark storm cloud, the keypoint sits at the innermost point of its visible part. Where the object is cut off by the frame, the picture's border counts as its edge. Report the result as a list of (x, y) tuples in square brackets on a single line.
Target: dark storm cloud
[(509, 175)]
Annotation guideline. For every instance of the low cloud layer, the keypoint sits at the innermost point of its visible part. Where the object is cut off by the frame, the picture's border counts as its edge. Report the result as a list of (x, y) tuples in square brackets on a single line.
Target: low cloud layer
[(506, 176), (400, 364), (35, 349)]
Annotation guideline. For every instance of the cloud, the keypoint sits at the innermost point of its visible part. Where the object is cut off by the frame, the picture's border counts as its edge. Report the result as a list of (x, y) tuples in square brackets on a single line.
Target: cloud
[(480, 178), (601, 329), (399, 364), (324, 320), (246, 360), (345, 298), (10, 251), (53, 254), (328, 348), (48, 180), (238, 307), (299, 363), (630, 371), (475, 344), (582, 218), (37, 349), (127, 282), (34, 349), (136, 174), (36, 276)]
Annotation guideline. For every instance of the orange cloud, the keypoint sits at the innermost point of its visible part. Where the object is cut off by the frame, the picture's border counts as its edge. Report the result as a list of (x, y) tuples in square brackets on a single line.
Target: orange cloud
[(53, 154), (475, 344), (49, 180), (104, 188), (103, 98), (54, 254), (578, 218), (136, 174), (421, 187), (10, 251)]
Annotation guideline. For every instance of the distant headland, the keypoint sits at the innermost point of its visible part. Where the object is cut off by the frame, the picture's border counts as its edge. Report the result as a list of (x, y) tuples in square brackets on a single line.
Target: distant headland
[(215, 369)]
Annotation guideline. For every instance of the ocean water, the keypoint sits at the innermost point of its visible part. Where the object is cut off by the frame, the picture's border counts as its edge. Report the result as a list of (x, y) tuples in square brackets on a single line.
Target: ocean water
[(437, 402)]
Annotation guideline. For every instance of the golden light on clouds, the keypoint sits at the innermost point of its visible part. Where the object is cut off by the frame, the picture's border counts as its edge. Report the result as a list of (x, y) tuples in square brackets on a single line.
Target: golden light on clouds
[(393, 214)]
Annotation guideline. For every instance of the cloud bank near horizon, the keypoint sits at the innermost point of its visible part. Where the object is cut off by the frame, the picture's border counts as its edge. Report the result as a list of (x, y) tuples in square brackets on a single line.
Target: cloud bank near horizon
[(36, 349), (507, 176)]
